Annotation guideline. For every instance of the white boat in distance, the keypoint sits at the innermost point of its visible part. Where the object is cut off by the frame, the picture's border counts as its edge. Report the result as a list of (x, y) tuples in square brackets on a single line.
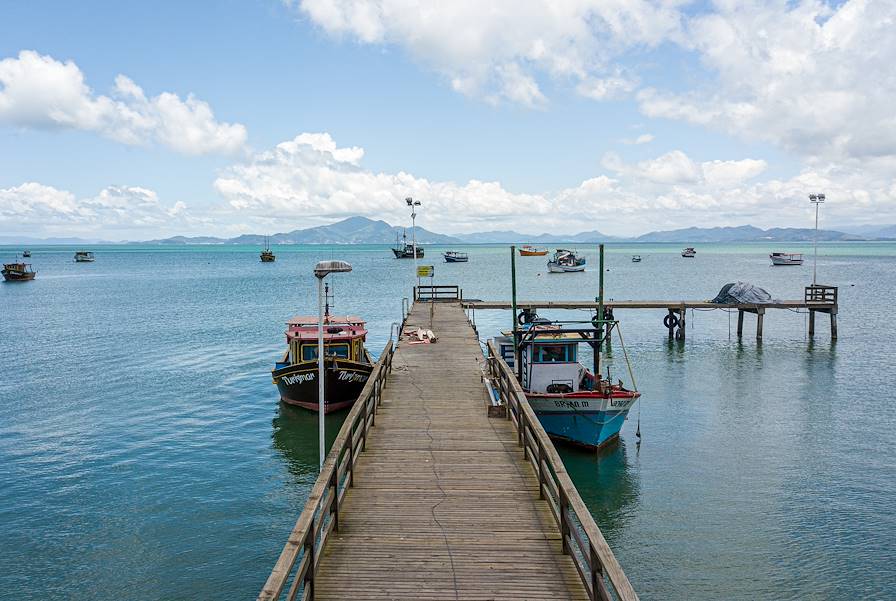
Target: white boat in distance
[(689, 253), (566, 261), (786, 258)]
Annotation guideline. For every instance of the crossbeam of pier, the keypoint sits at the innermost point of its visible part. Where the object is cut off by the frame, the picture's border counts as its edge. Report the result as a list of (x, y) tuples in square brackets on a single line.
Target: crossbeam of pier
[(424, 496), (818, 299)]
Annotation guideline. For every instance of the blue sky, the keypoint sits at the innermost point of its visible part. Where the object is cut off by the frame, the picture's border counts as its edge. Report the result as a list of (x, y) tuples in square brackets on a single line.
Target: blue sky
[(518, 143)]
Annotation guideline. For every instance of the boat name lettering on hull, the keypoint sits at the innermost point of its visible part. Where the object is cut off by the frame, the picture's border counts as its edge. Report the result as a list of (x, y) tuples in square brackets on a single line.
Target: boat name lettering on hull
[(350, 376), (571, 404), (298, 378)]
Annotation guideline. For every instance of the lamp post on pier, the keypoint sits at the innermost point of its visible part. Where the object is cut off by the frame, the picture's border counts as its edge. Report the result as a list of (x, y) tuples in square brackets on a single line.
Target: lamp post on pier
[(322, 270), (815, 199), (414, 204)]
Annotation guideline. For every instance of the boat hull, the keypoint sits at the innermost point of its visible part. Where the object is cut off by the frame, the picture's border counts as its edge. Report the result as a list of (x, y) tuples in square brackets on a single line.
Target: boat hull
[(344, 381), (555, 268), (18, 277), (456, 259), (533, 253), (782, 261), (582, 419), (400, 254)]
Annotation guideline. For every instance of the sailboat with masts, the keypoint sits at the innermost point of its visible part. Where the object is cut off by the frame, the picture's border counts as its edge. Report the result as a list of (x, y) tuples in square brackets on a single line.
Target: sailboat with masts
[(267, 255)]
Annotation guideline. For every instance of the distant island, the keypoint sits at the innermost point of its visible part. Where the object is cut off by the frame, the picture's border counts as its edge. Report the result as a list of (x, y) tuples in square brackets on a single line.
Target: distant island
[(361, 230)]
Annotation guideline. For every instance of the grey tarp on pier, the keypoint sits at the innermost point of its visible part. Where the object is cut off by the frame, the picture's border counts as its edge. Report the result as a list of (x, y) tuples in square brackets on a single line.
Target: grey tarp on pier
[(743, 292)]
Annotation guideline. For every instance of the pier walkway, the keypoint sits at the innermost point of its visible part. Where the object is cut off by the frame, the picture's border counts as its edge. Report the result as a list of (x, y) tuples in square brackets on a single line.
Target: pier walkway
[(424, 496)]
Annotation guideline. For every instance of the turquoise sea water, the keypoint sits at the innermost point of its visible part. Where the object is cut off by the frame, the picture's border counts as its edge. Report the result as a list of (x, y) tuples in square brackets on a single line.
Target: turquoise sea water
[(144, 455)]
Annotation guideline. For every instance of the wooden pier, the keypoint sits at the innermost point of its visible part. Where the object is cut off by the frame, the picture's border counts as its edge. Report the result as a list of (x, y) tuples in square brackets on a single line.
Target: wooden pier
[(424, 496), (817, 299)]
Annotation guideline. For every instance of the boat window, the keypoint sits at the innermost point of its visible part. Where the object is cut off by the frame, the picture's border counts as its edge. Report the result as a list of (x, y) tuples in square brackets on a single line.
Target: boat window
[(555, 353), (309, 351)]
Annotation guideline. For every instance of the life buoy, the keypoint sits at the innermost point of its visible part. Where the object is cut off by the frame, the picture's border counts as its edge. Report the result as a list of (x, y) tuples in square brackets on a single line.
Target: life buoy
[(670, 321)]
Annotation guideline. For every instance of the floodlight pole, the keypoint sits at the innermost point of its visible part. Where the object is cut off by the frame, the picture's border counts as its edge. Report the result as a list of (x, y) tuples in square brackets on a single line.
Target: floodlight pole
[(322, 270), (815, 199), (414, 204)]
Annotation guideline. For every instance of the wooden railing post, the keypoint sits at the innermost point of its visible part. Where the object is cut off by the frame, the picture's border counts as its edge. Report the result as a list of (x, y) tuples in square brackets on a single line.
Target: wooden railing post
[(540, 470), (309, 572), (334, 504), (563, 503)]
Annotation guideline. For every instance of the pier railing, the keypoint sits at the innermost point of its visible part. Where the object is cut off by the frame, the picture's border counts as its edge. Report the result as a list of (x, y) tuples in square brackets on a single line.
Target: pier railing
[(582, 539), (437, 293), (321, 514), (819, 293)]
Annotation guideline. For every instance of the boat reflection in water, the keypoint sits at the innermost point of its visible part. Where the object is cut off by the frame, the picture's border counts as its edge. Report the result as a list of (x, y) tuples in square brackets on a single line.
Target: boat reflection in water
[(295, 437), (608, 485)]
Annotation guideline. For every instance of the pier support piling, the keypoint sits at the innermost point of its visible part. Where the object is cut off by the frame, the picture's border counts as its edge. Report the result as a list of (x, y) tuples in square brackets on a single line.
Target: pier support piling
[(834, 324), (811, 322), (760, 314), (740, 323), (680, 334)]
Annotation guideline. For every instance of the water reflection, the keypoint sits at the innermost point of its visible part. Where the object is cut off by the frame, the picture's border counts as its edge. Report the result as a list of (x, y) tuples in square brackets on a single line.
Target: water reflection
[(608, 485), (295, 437)]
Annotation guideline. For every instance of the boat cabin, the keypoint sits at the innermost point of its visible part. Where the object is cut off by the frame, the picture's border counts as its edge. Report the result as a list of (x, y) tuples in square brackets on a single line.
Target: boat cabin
[(343, 338), (550, 362)]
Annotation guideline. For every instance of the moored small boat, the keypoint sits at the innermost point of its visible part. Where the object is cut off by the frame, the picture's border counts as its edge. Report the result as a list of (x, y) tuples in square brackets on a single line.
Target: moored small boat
[(347, 365), (26, 253), (456, 257), (18, 272), (566, 261), (636, 258), (84, 256), (781, 258), (689, 253), (404, 249), (571, 403), (267, 255), (531, 251)]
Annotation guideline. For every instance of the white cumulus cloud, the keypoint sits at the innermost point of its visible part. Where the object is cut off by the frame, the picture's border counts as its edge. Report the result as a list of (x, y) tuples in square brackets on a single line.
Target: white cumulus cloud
[(499, 49), (115, 210), (311, 180), (806, 76), (41, 92)]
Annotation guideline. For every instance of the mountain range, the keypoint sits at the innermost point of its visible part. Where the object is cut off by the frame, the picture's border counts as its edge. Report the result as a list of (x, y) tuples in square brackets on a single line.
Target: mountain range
[(361, 230)]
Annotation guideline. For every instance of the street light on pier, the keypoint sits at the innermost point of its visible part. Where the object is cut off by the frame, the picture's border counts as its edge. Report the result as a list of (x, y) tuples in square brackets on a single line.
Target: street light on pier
[(413, 204), (322, 270), (815, 199)]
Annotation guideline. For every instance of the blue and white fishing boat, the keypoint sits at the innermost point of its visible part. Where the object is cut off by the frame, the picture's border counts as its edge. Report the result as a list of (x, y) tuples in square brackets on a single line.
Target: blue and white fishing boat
[(571, 403)]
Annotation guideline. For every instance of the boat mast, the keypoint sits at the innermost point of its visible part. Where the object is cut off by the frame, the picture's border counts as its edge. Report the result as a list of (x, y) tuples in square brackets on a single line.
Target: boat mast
[(599, 320)]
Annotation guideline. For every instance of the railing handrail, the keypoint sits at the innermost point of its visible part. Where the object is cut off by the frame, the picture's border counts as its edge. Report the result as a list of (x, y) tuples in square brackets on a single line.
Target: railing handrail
[(821, 293), (554, 483), (438, 291), (321, 512)]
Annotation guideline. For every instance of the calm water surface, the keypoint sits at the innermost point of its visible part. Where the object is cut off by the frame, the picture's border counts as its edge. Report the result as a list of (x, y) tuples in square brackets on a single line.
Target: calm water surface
[(143, 453)]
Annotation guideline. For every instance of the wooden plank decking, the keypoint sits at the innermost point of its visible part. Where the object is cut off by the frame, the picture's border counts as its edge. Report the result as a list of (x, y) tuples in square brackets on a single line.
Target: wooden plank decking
[(443, 505)]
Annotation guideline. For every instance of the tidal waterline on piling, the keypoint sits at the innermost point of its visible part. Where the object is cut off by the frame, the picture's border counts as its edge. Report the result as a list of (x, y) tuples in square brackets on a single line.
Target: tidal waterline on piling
[(141, 444)]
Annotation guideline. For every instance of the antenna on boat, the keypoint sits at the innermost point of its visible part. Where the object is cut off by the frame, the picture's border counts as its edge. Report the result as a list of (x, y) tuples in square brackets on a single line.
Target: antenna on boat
[(599, 318)]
